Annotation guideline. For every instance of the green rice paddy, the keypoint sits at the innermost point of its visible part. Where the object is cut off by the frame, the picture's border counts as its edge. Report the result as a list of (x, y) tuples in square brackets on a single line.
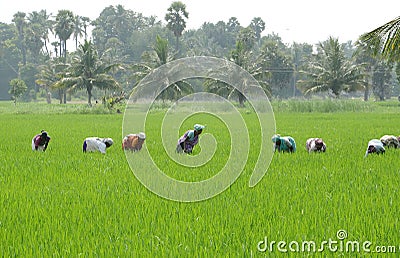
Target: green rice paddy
[(63, 203)]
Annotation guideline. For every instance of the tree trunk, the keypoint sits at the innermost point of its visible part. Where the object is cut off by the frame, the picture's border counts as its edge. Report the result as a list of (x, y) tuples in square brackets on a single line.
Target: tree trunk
[(89, 97), (65, 96), (242, 99), (61, 48), (48, 97), (45, 46), (366, 93), (60, 96), (23, 54), (381, 97)]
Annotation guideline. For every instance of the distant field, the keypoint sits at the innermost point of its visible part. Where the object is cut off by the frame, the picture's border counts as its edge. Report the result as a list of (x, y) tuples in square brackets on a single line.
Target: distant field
[(66, 203)]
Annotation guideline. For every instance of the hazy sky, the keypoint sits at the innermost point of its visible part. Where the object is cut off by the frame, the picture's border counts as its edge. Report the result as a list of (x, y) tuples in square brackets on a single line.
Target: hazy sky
[(308, 21)]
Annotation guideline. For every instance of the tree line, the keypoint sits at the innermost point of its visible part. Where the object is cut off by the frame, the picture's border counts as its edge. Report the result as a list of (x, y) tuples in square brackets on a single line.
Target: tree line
[(108, 56)]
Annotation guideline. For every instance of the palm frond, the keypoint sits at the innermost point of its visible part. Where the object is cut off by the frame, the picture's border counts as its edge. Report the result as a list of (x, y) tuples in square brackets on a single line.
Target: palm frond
[(385, 40)]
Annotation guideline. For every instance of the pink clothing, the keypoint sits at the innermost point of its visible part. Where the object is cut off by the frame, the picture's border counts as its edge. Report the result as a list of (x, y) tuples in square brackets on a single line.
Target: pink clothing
[(40, 142), (316, 145)]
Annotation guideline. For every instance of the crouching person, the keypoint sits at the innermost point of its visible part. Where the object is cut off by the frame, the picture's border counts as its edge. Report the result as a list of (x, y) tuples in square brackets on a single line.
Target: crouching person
[(133, 142), (189, 139), (375, 146), (93, 144), (390, 141), (283, 143), (40, 141), (315, 145)]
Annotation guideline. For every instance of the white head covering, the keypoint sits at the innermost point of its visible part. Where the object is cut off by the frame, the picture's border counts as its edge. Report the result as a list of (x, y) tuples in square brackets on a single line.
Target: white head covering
[(109, 141), (142, 136), (275, 137), (198, 127)]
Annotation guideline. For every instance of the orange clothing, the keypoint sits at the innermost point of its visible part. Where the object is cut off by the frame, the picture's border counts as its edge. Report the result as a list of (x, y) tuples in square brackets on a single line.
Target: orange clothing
[(132, 142)]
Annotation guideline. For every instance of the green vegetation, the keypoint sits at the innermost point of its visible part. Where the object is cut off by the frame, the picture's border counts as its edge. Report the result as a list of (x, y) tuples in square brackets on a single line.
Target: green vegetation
[(384, 40), (34, 49), (279, 106), (17, 88), (66, 203)]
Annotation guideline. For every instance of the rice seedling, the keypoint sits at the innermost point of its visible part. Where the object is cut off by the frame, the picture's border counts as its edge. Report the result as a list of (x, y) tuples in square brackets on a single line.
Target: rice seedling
[(66, 203)]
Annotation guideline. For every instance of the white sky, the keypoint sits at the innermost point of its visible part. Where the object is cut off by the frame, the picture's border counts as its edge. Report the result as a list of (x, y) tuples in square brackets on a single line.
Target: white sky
[(308, 21)]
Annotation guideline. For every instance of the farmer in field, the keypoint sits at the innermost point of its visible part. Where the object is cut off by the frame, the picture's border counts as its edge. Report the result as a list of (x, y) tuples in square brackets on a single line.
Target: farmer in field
[(390, 141), (315, 145), (189, 139), (93, 144), (375, 146), (283, 143), (40, 141), (133, 142)]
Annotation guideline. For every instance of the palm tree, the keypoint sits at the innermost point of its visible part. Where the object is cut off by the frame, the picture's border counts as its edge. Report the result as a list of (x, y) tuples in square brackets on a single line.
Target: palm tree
[(233, 24), (381, 77), (242, 56), (49, 74), (385, 39), (55, 45), (43, 24), (64, 28), (85, 24), (280, 66), (87, 71), (161, 55), (331, 71), (175, 19), (224, 89), (33, 41), (364, 54), (77, 30), (20, 23), (258, 25)]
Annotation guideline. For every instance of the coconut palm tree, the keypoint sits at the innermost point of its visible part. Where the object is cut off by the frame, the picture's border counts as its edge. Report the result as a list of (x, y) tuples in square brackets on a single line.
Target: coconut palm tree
[(87, 71), (385, 39), (364, 54), (332, 71), (161, 55), (49, 74), (242, 56)]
